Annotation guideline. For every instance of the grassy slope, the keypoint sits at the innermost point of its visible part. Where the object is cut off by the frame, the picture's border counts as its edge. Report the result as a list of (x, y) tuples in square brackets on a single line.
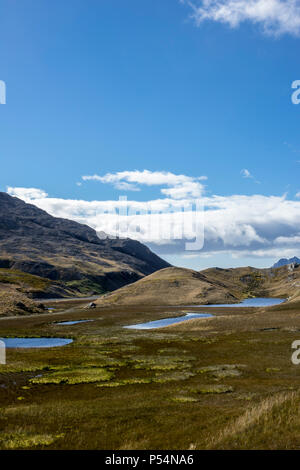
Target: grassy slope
[(25, 281), (170, 286), (15, 289), (180, 286), (279, 282)]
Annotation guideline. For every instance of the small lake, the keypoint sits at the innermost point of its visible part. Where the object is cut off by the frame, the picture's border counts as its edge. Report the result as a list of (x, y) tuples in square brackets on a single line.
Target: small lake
[(71, 322), (35, 342), (256, 302), (167, 321)]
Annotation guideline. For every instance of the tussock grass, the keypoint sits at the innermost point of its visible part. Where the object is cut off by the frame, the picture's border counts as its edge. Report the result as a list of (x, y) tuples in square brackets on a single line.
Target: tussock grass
[(271, 417)]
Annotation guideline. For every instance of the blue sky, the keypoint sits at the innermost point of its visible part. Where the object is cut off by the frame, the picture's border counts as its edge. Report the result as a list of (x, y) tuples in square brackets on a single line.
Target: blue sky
[(107, 86)]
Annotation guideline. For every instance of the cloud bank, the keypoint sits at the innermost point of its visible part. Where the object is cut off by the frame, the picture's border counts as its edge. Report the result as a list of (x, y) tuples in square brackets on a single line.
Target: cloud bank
[(178, 186), (275, 17), (257, 226)]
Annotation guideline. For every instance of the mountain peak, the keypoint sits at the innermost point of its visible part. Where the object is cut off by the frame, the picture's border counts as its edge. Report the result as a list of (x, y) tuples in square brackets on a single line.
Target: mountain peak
[(285, 261)]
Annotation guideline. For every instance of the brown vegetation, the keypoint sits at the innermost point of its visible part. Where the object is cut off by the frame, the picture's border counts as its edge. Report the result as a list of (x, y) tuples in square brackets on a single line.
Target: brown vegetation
[(228, 380)]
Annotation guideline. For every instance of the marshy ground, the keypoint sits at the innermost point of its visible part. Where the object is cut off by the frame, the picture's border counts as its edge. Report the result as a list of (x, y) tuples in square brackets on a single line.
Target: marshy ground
[(225, 382)]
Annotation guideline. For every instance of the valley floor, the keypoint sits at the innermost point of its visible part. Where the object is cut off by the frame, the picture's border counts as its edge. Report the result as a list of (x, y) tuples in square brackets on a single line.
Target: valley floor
[(225, 382)]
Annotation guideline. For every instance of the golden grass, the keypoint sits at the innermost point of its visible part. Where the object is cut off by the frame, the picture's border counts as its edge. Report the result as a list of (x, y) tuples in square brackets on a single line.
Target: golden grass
[(13, 302), (260, 419), (169, 286)]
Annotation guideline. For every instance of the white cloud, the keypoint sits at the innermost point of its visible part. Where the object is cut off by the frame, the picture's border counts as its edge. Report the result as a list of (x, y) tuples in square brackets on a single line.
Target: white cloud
[(185, 190), (274, 253), (276, 17), (293, 240), (246, 173), (123, 186), (257, 226), (27, 194), (178, 186), (297, 195)]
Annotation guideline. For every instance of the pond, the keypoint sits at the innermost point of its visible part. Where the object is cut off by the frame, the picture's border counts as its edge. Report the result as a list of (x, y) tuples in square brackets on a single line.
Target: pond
[(256, 302), (35, 342), (167, 321), (72, 322)]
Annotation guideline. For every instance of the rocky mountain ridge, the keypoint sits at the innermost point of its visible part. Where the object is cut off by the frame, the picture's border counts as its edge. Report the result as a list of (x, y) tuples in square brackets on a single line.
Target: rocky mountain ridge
[(69, 254)]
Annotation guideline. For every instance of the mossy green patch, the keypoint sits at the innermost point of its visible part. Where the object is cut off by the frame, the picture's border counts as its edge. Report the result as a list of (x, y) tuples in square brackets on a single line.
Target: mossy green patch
[(182, 399), (222, 371), (75, 376), (132, 381), (213, 389), (11, 276), (171, 351), (85, 286), (203, 340), (23, 440), (163, 363), (21, 367)]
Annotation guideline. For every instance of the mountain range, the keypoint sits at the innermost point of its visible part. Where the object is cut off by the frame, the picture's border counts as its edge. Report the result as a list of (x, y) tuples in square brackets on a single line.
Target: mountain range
[(285, 261), (64, 258)]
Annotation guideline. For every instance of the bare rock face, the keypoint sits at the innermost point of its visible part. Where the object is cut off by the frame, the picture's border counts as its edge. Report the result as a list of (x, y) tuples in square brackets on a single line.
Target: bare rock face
[(69, 254)]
